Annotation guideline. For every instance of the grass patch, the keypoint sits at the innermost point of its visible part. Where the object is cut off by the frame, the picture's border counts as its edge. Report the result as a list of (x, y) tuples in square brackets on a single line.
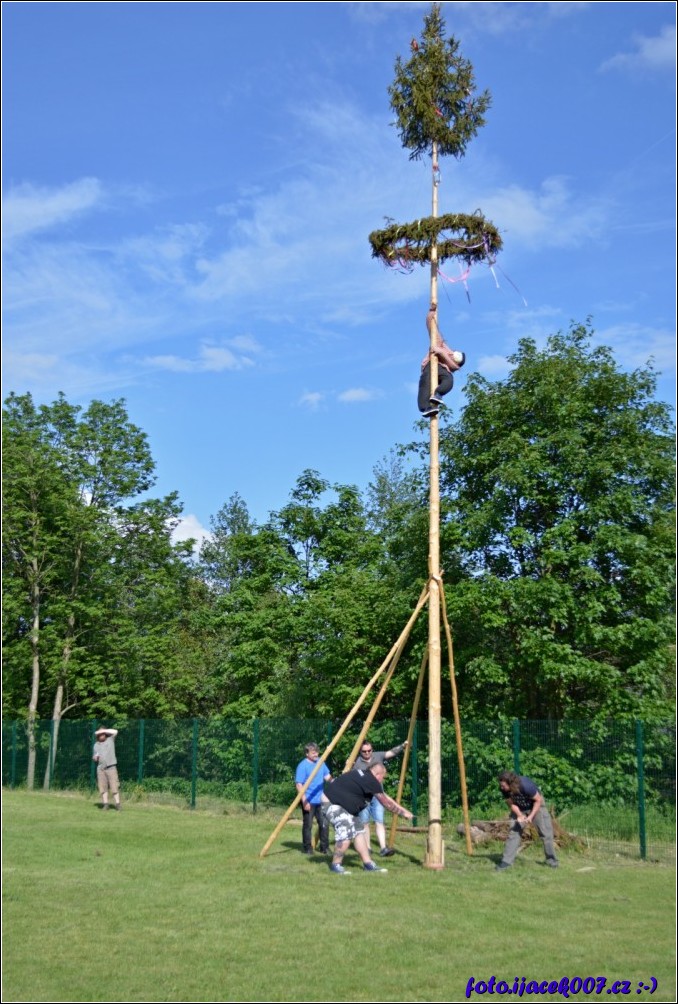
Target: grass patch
[(158, 903)]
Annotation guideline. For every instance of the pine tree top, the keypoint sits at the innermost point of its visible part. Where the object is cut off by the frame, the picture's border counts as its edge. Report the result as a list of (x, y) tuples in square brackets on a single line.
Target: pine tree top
[(433, 94)]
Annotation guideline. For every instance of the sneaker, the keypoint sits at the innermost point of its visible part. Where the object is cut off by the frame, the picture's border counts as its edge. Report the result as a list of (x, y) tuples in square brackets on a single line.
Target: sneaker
[(501, 866), (338, 870), (371, 867), (118, 808), (386, 852), (436, 400), (551, 862), (430, 413), (104, 808)]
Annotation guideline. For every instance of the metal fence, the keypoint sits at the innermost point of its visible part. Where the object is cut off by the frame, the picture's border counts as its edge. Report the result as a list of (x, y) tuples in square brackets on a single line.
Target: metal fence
[(611, 783)]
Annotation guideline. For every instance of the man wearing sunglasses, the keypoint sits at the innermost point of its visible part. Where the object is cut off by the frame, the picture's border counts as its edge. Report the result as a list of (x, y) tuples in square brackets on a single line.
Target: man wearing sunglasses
[(367, 758)]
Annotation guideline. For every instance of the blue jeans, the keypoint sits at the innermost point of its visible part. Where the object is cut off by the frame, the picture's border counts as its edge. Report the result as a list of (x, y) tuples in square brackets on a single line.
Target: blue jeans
[(373, 810)]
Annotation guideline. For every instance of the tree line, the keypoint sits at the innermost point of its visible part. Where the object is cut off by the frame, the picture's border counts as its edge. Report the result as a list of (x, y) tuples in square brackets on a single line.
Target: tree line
[(557, 541)]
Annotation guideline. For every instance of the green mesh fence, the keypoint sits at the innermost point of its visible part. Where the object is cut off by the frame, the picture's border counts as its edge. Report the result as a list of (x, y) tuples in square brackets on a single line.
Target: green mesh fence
[(612, 784)]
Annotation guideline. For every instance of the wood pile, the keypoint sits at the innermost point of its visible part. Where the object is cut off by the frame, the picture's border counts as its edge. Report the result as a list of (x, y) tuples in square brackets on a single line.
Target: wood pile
[(485, 830)]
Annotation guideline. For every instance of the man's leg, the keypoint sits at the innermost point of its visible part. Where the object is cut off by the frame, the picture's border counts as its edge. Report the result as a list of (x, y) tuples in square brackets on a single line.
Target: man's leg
[(340, 848), (307, 830), (377, 814), (424, 393), (512, 845), (364, 818), (102, 785), (362, 847), (323, 829), (544, 826), (114, 785), (445, 384)]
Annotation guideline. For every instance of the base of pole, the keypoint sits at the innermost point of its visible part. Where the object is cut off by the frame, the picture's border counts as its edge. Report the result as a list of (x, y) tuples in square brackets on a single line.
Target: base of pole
[(433, 868)]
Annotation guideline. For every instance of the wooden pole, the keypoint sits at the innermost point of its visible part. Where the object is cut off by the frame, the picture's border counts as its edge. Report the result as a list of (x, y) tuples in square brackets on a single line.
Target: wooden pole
[(435, 849), (457, 728), (399, 646), (410, 735), (347, 721)]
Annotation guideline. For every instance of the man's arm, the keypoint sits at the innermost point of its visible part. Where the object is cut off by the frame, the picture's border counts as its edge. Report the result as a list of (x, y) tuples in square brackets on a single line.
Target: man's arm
[(112, 733), (536, 806), (392, 806), (523, 819), (396, 751), (304, 801)]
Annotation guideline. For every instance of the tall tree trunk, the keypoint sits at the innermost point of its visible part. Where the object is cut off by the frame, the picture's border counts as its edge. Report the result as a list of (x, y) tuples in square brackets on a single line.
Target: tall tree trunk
[(54, 739), (57, 709), (35, 676)]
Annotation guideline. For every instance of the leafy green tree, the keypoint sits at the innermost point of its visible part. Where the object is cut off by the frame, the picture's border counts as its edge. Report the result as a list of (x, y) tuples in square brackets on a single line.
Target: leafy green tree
[(93, 581), (37, 498), (251, 576), (558, 483)]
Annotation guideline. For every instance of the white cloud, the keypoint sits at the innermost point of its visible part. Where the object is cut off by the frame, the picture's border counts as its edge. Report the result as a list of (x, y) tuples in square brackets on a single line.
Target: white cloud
[(634, 344), (357, 395), (189, 527), (493, 366), (493, 18), (650, 53), (28, 208), (311, 400), (210, 359), (554, 216), (295, 256)]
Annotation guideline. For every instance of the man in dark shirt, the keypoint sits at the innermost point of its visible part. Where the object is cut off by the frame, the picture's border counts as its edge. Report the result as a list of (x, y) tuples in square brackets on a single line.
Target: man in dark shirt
[(526, 804), (344, 798)]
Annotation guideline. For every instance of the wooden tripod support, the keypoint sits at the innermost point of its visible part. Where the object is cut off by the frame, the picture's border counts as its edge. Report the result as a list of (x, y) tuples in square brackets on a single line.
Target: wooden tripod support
[(388, 667)]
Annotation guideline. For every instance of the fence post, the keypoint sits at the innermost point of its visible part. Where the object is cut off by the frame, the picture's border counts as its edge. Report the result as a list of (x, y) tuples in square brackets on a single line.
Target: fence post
[(50, 759), (140, 768), (12, 780), (194, 762), (255, 763), (92, 764), (641, 789), (415, 773), (329, 733), (516, 745)]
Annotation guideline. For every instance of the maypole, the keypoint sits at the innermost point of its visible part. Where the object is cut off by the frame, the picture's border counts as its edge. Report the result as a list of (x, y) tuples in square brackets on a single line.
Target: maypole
[(437, 114), (435, 847)]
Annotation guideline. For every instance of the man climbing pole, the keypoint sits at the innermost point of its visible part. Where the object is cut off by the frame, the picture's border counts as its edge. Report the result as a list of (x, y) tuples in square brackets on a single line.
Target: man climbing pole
[(449, 361)]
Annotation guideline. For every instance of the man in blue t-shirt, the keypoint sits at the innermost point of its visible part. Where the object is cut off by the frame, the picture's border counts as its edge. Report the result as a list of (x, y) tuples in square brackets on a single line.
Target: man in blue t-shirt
[(526, 804), (311, 799)]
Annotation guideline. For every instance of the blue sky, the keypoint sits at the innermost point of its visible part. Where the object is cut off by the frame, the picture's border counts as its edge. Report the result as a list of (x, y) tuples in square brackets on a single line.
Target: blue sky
[(188, 190)]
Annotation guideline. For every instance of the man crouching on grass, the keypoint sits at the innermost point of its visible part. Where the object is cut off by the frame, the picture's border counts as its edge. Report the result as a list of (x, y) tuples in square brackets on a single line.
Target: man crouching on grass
[(343, 799)]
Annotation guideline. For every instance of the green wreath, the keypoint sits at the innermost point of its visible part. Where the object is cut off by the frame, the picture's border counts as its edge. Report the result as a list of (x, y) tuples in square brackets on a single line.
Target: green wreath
[(457, 235)]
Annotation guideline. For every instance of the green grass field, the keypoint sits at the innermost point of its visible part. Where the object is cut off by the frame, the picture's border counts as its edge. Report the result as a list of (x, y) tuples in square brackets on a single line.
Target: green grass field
[(158, 903)]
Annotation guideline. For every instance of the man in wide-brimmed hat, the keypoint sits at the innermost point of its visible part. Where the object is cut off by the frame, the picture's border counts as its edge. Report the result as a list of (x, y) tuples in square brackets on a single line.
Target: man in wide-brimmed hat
[(107, 766)]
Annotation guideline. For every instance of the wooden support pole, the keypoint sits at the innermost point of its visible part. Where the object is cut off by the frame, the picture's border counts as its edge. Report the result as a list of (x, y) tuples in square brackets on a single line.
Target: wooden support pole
[(410, 736), (347, 721), (396, 651), (457, 728)]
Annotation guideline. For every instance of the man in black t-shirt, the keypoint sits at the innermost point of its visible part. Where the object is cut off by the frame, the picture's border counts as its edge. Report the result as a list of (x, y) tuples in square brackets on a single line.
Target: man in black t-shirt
[(526, 804), (344, 798)]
